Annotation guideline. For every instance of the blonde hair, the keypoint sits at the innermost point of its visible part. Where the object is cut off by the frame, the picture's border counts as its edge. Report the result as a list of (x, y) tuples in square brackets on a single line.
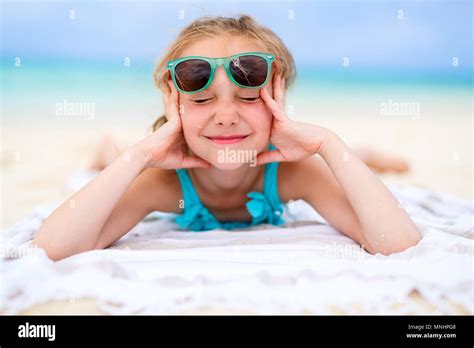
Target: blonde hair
[(243, 26)]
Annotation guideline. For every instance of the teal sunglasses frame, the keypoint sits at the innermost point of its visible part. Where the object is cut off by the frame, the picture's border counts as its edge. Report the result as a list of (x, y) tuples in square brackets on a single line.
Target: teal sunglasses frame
[(225, 62)]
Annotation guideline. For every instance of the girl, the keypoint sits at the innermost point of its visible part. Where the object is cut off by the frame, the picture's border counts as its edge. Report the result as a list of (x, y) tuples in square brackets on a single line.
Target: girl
[(224, 83)]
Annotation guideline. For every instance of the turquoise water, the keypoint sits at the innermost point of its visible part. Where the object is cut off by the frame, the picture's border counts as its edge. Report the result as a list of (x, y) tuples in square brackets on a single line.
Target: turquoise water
[(39, 85), (56, 78)]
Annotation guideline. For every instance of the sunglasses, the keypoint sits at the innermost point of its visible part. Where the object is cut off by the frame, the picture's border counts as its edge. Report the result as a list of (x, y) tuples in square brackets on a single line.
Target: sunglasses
[(247, 70)]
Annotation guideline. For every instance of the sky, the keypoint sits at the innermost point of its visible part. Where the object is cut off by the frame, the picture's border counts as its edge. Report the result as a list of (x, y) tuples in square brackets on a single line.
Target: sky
[(376, 34)]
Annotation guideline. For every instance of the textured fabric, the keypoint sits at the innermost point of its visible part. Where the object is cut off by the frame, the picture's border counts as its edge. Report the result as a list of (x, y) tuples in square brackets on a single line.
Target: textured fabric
[(264, 207), (156, 269)]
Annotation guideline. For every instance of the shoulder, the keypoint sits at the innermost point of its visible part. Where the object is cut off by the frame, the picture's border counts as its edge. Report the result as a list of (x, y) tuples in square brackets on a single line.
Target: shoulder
[(297, 179), (163, 189)]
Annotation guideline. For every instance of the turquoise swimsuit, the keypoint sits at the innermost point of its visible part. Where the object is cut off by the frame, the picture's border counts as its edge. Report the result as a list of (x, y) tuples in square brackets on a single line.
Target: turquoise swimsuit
[(264, 207)]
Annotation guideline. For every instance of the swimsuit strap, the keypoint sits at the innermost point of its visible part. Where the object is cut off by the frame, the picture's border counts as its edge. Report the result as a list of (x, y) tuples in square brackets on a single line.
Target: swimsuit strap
[(190, 195), (270, 188)]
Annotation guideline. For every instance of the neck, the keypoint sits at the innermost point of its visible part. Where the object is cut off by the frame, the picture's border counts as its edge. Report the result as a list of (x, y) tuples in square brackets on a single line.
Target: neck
[(215, 180)]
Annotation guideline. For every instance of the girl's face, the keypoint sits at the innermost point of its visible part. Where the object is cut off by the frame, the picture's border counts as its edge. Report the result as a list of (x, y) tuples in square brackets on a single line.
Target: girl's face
[(224, 109)]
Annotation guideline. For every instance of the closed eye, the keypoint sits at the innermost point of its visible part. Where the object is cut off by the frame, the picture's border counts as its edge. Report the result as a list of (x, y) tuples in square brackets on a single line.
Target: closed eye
[(200, 101), (250, 99)]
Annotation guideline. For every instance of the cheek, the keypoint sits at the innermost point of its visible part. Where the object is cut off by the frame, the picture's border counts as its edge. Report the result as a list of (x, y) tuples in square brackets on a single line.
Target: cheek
[(258, 116), (192, 119), (191, 126)]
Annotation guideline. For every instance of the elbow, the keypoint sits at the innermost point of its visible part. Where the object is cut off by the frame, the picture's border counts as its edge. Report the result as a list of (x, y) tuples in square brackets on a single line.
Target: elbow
[(398, 248), (54, 250), (397, 245), (52, 253), (55, 244), (411, 239), (57, 251), (45, 240)]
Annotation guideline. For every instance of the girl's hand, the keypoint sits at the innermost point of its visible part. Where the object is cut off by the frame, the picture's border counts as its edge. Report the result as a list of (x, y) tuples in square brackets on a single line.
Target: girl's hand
[(166, 148), (294, 140)]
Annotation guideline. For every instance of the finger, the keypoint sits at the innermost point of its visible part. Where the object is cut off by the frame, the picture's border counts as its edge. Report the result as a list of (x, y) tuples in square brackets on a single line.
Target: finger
[(166, 97), (166, 93), (174, 92), (277, 111), (270, 156), (175, 96), (172, 110), (194, 162), (166, 100), (278, 92)]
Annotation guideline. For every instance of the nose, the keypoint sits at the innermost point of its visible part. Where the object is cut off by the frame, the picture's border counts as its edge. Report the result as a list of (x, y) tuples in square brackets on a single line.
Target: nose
[(226, 111)]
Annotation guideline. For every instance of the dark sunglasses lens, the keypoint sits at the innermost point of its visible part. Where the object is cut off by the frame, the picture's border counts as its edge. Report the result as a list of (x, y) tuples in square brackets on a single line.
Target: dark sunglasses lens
[(192, 75), (249, 71)]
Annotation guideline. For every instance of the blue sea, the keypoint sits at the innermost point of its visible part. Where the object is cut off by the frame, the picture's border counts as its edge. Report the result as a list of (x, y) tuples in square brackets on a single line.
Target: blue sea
[(32, 89)]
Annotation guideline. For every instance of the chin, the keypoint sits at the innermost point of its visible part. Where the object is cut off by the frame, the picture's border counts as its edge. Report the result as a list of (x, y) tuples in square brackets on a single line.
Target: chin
[(228, 166)]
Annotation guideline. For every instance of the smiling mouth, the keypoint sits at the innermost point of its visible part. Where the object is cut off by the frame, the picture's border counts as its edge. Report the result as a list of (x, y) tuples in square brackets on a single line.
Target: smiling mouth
[(231, 139)]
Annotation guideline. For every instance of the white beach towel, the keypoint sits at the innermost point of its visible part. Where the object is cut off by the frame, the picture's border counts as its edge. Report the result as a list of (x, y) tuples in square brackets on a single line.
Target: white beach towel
[(302, 266)]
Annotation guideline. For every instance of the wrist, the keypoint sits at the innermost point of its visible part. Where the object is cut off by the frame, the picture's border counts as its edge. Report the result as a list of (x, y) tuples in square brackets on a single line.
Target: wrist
[(328, 139), (138, 156)]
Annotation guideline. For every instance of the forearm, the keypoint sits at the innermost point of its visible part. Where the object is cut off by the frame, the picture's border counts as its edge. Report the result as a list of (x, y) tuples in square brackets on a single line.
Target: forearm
[(385, 226), (75, 225)]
